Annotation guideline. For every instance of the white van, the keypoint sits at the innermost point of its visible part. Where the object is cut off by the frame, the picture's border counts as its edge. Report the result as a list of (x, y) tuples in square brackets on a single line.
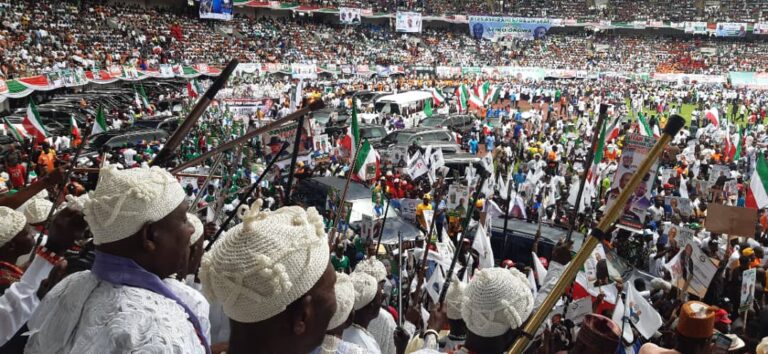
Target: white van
[(406, 104)]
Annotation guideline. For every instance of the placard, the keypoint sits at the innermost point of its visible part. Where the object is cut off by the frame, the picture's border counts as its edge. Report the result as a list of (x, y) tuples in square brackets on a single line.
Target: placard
[(748, 278), (734, 221), (693, 267), (417, 168), (349, 16), (635, 151), (680, 206), (370, 226), (408, 22), (458, 197), (408, 209)]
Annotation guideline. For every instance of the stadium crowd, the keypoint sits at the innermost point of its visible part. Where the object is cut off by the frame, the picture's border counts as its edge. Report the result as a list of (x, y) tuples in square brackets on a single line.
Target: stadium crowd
[(39, 37), (131, 258)]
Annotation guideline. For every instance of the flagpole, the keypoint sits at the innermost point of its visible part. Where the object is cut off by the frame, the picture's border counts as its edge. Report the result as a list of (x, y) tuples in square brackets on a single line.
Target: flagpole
[(588, 167), (599, 234), (294, 156), (383, 222), (428, 241), (399, 279), (333, 232)]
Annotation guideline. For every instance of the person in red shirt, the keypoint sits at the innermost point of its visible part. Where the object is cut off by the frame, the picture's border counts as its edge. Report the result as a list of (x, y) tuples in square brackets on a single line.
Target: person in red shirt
[(16, 171)]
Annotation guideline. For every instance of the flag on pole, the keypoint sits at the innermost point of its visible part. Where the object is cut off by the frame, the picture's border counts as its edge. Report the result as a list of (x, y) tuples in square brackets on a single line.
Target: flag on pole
[(33, 124), (141, 98), (757, 194), (492, 96), (353, 132), (367, 163), (713, 116), (475, 101), (482, 244), (100, 124), (437, 97), (641, 314), (428, 108), (643, 126), (192, 89), (613, 130), (482, 91), (538, 267), (75, 128), (737, 151), (17, 134), (463, 97)]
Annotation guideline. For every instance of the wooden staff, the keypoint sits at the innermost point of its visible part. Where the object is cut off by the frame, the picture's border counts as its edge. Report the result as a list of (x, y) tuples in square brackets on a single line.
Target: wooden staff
[(332, 234), (459, 243), (311, 106), (428, 241), (165, 155), (598, 234), (244, 197), (199, 195), (590, 156), (178, 174)]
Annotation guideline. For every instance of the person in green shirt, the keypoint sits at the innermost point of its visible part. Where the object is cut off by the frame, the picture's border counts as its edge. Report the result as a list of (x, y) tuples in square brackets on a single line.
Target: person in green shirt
[(339, 261)]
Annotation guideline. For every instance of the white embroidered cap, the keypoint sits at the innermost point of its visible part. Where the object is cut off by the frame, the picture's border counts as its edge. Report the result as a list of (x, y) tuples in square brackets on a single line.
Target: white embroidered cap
[(198, 225), (372, 267), (345, 300), (454, 298), (496, 300), (125, 200), (37, 210), (365, 288), (13, 223), (267, 262)]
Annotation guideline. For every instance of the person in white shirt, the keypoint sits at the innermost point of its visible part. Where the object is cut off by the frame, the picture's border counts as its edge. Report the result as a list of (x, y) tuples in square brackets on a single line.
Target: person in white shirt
[(368, 295)]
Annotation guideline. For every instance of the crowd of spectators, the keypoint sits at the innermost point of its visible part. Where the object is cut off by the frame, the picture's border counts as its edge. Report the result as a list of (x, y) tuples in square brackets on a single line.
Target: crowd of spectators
[(37, 37)]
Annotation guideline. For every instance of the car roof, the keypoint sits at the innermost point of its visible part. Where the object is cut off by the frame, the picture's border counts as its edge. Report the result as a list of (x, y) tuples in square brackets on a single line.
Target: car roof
[(356, 189)]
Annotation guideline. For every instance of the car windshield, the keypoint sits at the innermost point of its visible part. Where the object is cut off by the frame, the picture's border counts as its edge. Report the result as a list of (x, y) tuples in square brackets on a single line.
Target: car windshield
[(373, 132), (432, 121), (404, 139)]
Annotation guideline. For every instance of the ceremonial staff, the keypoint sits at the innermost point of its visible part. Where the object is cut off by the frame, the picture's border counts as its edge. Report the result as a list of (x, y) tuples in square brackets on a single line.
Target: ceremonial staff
[(598, 234), (597, 135), (165, 155), (309, 106)]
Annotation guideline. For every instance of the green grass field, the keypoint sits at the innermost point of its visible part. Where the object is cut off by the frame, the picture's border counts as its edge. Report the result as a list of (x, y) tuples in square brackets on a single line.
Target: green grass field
[(685, 112)]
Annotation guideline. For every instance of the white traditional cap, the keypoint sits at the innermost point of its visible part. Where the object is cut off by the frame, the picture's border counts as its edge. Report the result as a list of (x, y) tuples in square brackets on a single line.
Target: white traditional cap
[(267, 262), (13, 223), (75, 202), (372, 267), (125, 200), (496, 300), (454, 298), (37, 210), (198, 225), (345, 300), (365, 288)]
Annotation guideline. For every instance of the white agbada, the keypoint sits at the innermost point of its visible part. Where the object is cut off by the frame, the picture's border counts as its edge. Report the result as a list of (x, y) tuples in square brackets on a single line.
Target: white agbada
[(358, 335), (84, 315)]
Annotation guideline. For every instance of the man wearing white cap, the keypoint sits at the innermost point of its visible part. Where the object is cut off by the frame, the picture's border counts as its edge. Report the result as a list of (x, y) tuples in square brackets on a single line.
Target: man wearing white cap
[(141, 233), (22, 297), (383, 325), (274, 278), (368, 294), (341, 320), (496, 304)]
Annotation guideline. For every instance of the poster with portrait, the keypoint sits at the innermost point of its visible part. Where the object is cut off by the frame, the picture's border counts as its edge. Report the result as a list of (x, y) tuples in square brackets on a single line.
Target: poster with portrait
[(691, 270), (304, 71), (731, 29), (216, 9), (679, 206), (715, 171), (748, 279), (682, 235), (322, 143), (760, 28), (408, 22), (346, 213), (408, 209), (635, 151), (458, 197), (507, 29), (349, 16), (370, 226)]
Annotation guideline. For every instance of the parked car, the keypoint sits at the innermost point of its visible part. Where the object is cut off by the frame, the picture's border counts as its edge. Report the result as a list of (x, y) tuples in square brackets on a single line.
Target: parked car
[(453, 122), (114, 139), (397, 142)]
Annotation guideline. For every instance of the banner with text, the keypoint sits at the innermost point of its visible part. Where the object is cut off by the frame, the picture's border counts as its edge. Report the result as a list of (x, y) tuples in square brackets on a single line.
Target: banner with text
[(760, 28), (408, 22), (696, 27), (508, 28)]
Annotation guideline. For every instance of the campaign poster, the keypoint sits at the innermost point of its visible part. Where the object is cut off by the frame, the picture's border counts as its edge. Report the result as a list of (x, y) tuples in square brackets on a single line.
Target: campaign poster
[(506, 29), (408, 22), (408, 209), (322, 143), (731, 29), (635, 151), (715, 171), (760, 28), (458, 198), (349, 16), (682, 235), (696, 27), (370, 226), (679, 206), (304, 71), (691, 270), (166, 70), (748, 279), (216, 9)]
